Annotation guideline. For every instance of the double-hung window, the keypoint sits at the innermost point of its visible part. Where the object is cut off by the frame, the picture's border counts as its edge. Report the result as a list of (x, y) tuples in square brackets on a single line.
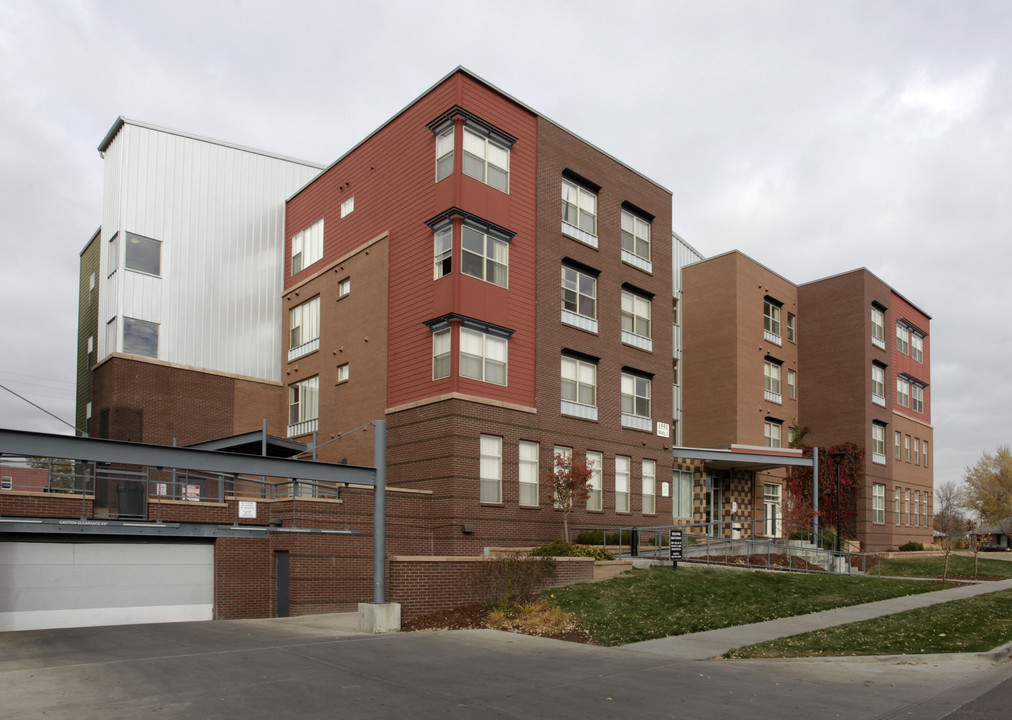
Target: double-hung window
[(528, 473), (636, 320), (903, 338), (649, 485), (792, 327), (771, 380), (304, 332), (898, 440), (560, 453), (579, 298), (897, 495), (303, 406), (917, 451), (485, 254), (441, 354), (444, 153), (925, 453), (307, 247), (773, 433), (579, 213), (878, 503), (878, 384), (623, 467), (771, 321), (878, 443), (792, 384), (486, 159), (636, 401), (917, 347), (906, 448), (878, 326), (595, 462), (579, 387), (482, 356), (636, 241), (917, 398), (490, 470), (906, 506), (903, 391), (443, 251)]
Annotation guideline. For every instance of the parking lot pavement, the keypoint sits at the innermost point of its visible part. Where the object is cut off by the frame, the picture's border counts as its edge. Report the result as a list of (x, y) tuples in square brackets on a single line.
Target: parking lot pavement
[(281, 669)]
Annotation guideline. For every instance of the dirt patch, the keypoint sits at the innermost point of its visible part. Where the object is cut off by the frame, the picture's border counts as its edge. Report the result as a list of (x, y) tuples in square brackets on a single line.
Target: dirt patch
[(472, 617)]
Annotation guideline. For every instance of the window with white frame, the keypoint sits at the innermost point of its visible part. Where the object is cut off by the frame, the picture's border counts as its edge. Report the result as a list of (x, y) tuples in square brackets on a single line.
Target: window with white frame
[(917, 508), (924, 508), (348, 206), (681, 494), (343, 373), (903, 339), (925, 453), (490, 469), (579, 208), (906, 448), (917, 451), (878, 384), (771, 321), (902, 391), (87, 411), (878, 503), (441, 354), (623, 467), (878, 443), (444, 153), (878, 326), (487, 159), (304, 330), (917, 347), (579, 387), (898, 439), (595, 484), (91, 344), (636, 241), (140, 337), (792, 384), (636, 320), (772, 433), (443, 251), (142, 254), (303, 406), (906, 506), (579, 298), (792, 327), (527, 473), (343, 288), (772, 512), (771, 380), (636, 401), (649, 487), (307, 247), (917, 398), (484, 255), (7, 482), (482, 356), (897, 507)]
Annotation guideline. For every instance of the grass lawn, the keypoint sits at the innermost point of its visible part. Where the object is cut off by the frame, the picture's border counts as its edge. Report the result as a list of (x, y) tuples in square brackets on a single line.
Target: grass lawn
[(958, 565), (976, 624), (654, 603)]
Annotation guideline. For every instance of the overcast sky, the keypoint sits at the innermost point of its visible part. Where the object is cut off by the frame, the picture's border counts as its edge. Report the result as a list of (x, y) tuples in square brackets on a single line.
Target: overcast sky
[(816, 137)]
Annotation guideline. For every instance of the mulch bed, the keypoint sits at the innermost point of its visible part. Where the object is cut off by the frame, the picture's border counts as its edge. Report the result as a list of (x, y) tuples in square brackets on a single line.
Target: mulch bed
[(472, 617)]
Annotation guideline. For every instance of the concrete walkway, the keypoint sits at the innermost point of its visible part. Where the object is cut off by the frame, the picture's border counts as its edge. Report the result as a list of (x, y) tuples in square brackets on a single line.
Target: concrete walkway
[(713, 643)]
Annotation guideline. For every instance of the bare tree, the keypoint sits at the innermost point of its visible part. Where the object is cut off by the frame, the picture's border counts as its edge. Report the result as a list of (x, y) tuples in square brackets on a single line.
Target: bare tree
[(974, 540), (948, 518)]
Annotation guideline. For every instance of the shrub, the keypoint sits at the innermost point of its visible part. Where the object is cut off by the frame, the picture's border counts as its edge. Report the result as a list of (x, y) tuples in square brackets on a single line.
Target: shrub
[(911, 546), (506, 581), (560, 548), (599, 537)]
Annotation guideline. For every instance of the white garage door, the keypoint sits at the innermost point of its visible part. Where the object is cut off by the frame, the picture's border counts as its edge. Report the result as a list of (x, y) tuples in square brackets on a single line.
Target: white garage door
[(76, 584)]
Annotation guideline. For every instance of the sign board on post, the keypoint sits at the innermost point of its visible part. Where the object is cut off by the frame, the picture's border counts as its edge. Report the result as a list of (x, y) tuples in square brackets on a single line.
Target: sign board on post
[(675, 539)]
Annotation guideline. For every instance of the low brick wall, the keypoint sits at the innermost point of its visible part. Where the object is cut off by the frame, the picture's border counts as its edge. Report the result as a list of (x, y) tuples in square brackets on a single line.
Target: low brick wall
[(424, 585)]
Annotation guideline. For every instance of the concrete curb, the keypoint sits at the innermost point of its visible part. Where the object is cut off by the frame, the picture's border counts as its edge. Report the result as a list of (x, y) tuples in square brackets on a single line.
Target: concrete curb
[(994, 657)]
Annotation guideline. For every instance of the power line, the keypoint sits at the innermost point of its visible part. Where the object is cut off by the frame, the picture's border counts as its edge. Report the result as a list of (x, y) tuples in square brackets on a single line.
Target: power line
[(72, 427)]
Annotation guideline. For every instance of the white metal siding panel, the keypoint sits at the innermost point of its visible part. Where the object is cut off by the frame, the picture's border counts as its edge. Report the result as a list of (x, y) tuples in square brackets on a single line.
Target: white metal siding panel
[(50, 585), (219, 213)]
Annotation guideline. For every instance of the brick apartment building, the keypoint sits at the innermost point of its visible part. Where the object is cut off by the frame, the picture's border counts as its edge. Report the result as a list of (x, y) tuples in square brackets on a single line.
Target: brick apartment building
[(846, 357)]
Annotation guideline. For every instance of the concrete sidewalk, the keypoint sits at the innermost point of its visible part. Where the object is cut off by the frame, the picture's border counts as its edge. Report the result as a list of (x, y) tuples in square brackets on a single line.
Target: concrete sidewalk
[(713, 643)]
